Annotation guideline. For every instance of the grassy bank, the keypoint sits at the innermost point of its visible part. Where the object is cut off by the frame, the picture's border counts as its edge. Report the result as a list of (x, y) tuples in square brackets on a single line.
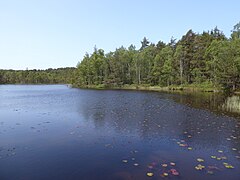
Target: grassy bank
[(172, 88)]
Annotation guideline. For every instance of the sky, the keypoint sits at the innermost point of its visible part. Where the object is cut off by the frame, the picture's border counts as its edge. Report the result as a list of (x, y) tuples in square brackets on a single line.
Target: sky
[(41, 34)]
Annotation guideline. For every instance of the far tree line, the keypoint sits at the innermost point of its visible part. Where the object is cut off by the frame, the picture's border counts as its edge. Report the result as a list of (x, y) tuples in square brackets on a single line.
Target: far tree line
[(49, 76)]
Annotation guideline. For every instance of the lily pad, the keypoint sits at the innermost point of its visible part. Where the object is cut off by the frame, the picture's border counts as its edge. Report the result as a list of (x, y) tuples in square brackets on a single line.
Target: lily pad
[(199, 167), (174, 172), (165, 174), (200, 160), (149, 174), (124, 161), (164, 165), (228, 166)]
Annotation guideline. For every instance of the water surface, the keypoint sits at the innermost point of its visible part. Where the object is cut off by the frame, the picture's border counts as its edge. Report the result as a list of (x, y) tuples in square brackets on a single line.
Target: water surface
[(55, 132)]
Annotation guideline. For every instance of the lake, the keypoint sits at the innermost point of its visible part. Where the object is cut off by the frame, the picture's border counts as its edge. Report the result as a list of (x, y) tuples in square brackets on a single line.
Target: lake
[(54, 132)]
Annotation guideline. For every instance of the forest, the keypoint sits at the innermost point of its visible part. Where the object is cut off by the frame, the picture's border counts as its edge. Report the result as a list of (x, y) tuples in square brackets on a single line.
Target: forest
[(49, 76), (207, 59)]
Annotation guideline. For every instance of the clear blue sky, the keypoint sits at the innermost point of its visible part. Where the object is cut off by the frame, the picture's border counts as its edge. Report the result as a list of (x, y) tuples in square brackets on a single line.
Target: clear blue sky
[(41, 34)]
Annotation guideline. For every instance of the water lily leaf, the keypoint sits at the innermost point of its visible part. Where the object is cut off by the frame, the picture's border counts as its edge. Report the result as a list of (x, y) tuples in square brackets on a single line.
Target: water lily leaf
[(228, 166), (124, 161), (149, 174), (200, 160), (165, 174), (174, 172), (213, 157), (164, 165), (183, 145), (220, 151), (189, 148), (199, 167), (136, 164), (172, 163)]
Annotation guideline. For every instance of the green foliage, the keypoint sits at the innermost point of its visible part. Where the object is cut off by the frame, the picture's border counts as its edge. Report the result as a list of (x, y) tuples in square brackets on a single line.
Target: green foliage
[(49, 76), (207, 60)]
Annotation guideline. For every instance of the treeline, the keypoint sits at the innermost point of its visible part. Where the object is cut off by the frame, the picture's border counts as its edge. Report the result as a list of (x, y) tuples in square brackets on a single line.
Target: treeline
[(209, 58), (49, 76)]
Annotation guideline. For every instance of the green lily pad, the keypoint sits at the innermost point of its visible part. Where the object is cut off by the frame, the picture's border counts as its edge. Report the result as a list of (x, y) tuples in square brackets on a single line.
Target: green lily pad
[(149, 174), (199, 167), (200, 160)]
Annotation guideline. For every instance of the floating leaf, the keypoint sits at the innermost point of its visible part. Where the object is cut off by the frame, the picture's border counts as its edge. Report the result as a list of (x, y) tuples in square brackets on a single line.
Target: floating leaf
[(124, 160), (220, 151), (234, 149), (183, 145), (213, 157), (172, 163), (189, 148), (199, 167), (228, 166), (200, 160), (136, 164), (164, 165), (165, 174), (149, 174), (174, 172)]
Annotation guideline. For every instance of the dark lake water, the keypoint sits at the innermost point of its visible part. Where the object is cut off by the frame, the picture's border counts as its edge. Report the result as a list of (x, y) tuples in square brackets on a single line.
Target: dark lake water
[(55, 132)]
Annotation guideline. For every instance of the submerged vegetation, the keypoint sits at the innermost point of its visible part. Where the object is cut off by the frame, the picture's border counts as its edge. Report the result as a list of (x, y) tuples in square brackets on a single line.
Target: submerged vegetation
[(209, 61)]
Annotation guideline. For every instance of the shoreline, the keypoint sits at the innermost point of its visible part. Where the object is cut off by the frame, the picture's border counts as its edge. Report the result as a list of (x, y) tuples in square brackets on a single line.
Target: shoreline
[(172, 89)]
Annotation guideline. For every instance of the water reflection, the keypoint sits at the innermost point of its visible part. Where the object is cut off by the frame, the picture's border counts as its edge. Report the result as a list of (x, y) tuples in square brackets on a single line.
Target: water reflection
[(150, 116), (217, 102), (93, 131), (231, 104)]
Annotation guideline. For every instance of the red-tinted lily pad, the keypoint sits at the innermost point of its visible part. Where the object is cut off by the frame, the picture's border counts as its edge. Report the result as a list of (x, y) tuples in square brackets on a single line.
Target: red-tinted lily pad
[(174, 172)]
